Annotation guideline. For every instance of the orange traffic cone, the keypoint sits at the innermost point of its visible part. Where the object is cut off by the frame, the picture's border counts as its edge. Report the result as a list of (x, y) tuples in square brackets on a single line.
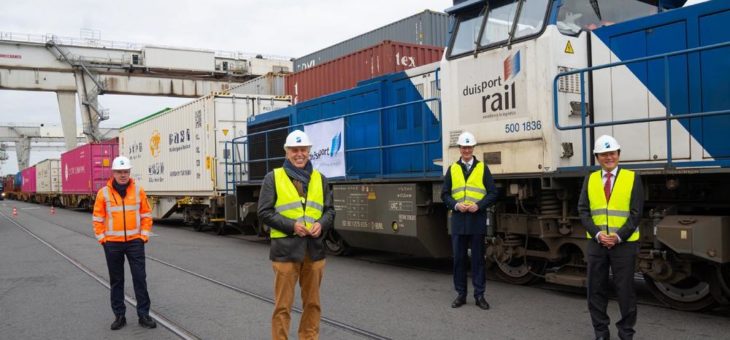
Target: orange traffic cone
[(53, 210), (15, 212)]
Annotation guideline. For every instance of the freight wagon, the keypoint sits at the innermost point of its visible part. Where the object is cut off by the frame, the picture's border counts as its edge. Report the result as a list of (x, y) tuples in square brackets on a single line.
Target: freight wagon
[(84, 170), (537, 82), (390, 132), (178, 154)]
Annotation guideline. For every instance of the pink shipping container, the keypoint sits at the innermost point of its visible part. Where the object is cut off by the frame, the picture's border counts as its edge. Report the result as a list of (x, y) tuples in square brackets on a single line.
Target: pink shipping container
[(85, 169), (29, 180), (345, 72)]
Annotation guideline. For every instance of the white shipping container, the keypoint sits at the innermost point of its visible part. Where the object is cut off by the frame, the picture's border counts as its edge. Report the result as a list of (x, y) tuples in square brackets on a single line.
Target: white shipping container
[(268, 84), (180, 152), (48, 176), (179, 59)]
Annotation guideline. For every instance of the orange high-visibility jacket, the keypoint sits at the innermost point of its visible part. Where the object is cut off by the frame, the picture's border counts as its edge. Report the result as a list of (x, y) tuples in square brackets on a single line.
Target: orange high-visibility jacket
[(122, 220)]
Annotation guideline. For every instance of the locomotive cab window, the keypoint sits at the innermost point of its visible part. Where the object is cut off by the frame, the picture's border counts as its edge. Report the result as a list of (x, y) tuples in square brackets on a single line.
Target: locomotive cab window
[(499, 26), (575, 16)]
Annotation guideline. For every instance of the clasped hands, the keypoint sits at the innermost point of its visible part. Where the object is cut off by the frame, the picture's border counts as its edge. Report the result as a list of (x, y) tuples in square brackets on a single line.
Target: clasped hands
[(301, 230), (472, 208), (608, 241)]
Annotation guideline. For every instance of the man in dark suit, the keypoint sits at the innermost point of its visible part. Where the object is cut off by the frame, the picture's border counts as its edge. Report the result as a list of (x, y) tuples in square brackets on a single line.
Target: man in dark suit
[(468, 190), (610, 206)]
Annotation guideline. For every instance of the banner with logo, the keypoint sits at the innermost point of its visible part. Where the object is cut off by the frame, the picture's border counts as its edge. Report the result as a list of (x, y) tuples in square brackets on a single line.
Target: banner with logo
[(328, 148)]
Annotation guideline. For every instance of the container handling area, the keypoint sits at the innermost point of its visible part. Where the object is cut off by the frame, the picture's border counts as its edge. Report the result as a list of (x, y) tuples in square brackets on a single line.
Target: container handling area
[(512, 111)]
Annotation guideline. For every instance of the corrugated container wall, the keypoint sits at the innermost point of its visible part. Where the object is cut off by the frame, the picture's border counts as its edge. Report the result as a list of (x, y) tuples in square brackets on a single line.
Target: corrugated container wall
[(425, 28), (18, 181), (48, 176), (29, 180), (87, 168), (268, 84), (180, 152), (9, 183), (345, 72)]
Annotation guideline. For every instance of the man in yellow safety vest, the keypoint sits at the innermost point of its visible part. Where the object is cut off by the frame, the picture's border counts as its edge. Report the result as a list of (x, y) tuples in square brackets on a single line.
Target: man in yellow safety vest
[(610, 207), (296, 204), (468, 191)]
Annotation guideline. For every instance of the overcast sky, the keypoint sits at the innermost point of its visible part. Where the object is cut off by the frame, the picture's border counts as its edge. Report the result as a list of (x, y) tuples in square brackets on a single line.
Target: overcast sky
[(271, 27)]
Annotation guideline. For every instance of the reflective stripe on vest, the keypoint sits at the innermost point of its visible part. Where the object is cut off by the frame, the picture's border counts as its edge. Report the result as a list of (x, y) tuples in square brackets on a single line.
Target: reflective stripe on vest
[(471, 190), (110, 214), (290, 205), (613, 214)]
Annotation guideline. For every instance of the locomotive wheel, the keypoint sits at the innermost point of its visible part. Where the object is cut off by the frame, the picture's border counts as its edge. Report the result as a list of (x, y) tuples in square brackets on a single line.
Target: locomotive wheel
[(520, 273), (335, 244), (690, 294)]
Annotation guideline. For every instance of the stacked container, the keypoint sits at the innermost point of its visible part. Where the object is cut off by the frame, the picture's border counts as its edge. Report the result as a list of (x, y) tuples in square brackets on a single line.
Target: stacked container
[(269, 84), (425, 28), (345, 72)]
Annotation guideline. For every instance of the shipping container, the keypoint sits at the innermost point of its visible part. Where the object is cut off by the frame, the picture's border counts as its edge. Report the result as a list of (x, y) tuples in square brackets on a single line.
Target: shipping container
[(48, 176), (179, 153), (18, 181), (179, 59), (426, 28), (272, 84), (402, 141), (29, 182), (345, 72), (84, 170)]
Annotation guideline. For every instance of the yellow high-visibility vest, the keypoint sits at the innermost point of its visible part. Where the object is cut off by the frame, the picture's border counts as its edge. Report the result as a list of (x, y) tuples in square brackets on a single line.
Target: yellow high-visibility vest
[(290, 205), (613, 214), (468, 191)]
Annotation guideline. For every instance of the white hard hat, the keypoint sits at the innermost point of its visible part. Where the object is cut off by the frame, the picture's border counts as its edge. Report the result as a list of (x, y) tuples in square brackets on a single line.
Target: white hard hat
[(605, 143), (466, 139), (121, 163), (297, 138)]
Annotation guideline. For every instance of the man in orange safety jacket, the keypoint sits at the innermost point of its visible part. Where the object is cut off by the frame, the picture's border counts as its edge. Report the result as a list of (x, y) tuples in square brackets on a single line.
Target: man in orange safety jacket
[(122, 224)]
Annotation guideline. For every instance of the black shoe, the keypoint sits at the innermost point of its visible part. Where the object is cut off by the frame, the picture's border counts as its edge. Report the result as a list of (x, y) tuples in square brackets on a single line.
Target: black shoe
[(482, 303), (460, 301), (119, 322), (147, 322)]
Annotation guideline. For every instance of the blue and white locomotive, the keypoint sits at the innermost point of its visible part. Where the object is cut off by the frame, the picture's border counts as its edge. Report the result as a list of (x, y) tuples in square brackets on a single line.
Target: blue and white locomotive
[(536, 81)]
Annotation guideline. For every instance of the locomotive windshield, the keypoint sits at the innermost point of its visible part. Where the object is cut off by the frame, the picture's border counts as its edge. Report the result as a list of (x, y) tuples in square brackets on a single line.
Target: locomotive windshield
[(575, 16), (487, 24), (496, 23)]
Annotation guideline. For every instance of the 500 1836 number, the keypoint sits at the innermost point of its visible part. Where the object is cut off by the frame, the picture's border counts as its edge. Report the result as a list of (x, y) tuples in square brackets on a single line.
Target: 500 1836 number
[(532, 125)]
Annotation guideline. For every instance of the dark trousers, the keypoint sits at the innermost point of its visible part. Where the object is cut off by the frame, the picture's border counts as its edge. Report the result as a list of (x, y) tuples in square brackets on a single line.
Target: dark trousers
[(134, 250), (622, 261), (460, 244)]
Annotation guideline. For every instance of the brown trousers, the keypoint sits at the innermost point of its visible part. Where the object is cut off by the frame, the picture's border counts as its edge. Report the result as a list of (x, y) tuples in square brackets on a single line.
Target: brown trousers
[(309, 274)]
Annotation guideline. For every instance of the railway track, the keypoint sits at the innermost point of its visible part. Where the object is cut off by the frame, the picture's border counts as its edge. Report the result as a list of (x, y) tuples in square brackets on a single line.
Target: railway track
[(174, 327)]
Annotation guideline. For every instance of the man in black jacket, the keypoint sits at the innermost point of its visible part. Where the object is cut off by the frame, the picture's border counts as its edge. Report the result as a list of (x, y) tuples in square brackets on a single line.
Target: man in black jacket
[(468, 191), (610, 207), (296, 204)]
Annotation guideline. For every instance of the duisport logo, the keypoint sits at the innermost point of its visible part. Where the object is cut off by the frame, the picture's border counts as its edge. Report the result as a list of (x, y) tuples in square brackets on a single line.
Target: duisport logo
[(512, 66)]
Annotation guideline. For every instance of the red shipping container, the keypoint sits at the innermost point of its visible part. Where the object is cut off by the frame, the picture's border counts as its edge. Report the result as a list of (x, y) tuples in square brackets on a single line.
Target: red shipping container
[(28, 175), (9, 183), (345, 72), (87, 168)]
